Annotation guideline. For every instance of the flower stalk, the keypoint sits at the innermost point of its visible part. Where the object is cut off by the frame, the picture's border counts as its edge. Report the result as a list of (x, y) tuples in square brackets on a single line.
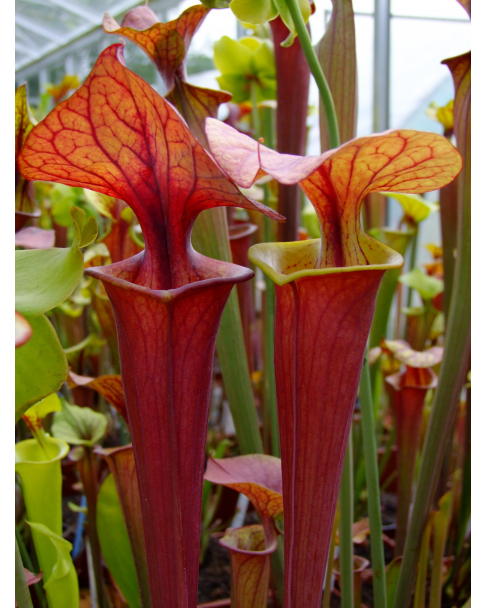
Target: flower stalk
[(316, 70), (373, 487), (346, 528)]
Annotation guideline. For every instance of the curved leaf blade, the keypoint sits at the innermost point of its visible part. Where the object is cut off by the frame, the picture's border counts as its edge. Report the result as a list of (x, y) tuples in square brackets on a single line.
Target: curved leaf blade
[(147, 157), (40, 365), (114, 541), (337, 55), (165, 43), (79, 425), (257, 476), (44, 278), (62, 585), (108, 386)]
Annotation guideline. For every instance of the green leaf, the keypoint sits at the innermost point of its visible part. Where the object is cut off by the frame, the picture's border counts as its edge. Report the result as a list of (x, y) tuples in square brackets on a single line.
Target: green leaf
[(115, 543), (52, 403), (392, 573), (91, 343), (85, 232), (76, 508), (414, 206), (399, 241), (255, 12), (103, 203), (62, 199), (79, 425), (40, 366), (216, 3), (97, 250), (44, 278), (62, 585), (286, 17), (428, 287)]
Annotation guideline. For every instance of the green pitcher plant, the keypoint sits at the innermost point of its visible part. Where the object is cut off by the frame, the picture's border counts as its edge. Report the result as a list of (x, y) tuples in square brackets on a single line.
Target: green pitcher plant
[(38, 464)]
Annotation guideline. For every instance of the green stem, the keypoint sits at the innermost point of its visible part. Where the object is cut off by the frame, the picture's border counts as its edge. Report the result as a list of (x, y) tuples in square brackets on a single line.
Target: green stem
[(413, 261), (316, 71), (269, 368), (22, 593), (388, 451), (270, 415), (277, 559), (210, 237), (420, 588), (29, 565), (346, 562), (234, 367), (465, 505), (373, 486), (326, 596), (452, 373), (270, 397), (255, 116), (269, 410)]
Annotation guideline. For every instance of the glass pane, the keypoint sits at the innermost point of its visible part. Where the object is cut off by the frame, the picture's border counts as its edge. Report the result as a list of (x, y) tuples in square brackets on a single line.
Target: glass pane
[(430, 8), (417, 76), (53, 18), (29, 38), (99, 6)]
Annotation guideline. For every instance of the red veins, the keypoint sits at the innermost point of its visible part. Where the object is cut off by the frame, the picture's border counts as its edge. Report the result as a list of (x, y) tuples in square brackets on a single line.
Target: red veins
[(117, 136)]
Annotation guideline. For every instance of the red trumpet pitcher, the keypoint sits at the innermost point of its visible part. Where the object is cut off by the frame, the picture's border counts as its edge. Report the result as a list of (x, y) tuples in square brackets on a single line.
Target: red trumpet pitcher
[(117, 136), (325, 299), (407, 390)]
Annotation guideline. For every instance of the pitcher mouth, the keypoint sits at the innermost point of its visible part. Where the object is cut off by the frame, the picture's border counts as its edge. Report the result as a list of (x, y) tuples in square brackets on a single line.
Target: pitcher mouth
[(29, 451), (122, 275), (286, 262)]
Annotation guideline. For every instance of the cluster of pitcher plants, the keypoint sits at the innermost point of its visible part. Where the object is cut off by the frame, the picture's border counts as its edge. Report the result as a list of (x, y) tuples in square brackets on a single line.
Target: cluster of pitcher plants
[(344, 370)]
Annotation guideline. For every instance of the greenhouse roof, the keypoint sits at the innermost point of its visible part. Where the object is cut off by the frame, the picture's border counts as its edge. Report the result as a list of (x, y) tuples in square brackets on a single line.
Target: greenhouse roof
[(46, 27)]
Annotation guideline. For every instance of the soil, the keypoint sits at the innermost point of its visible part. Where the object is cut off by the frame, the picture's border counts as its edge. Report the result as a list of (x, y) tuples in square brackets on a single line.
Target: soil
[(214, 574)]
